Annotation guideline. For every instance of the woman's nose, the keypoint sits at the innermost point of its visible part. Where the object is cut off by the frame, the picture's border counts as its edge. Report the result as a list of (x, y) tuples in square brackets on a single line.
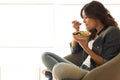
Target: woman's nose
[(83, 20)]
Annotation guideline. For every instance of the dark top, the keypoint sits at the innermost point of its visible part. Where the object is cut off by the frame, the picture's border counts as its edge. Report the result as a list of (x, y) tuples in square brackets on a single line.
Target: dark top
[(106, 45)]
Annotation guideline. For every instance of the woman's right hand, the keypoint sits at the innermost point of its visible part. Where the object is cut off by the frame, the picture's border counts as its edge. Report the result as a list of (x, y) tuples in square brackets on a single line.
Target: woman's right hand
[(76, 25)]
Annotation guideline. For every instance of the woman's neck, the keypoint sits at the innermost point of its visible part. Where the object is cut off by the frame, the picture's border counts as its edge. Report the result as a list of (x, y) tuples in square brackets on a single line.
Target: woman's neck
[(99, 28)]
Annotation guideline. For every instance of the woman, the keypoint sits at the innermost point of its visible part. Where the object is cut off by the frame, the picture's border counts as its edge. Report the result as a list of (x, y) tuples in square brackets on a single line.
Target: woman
[(104, 30)]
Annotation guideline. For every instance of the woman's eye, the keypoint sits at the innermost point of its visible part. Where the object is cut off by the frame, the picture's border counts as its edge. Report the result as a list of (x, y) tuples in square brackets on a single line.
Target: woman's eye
[(85, 17)]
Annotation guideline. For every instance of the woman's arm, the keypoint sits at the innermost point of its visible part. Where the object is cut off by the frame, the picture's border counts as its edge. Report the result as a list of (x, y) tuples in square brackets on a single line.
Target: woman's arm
[(73, 43), (84, 44), (76, 26), (97, 58)]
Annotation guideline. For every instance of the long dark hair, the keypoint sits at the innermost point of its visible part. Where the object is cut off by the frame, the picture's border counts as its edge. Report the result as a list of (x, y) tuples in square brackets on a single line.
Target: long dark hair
[(96, 10)]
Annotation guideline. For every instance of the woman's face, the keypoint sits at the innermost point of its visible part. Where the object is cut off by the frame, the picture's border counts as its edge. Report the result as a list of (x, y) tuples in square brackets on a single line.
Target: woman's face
[(89, 22)]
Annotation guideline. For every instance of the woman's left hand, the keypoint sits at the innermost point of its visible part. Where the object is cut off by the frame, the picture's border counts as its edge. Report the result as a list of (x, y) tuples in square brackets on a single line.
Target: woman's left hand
[(82, 40)]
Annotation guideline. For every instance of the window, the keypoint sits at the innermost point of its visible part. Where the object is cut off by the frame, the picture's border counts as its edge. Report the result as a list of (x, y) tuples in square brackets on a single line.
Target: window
[(26, 25), (41, 23)]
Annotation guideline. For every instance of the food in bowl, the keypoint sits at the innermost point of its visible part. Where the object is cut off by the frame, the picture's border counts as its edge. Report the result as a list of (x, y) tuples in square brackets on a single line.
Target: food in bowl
[(81, 33)]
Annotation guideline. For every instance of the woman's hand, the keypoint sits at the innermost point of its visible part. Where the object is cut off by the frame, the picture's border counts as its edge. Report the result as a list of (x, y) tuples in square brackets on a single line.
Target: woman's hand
[(76, 25), (82, 40)]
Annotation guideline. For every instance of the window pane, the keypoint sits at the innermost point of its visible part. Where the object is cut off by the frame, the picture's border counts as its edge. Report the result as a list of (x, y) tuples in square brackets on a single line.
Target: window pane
[(72, 1), (26, 26), (60, 1), (26, 1), (110, 1), (86, 1)]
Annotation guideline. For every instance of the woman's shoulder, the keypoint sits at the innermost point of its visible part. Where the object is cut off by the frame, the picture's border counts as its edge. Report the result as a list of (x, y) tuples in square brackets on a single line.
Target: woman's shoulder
[(112, 30)]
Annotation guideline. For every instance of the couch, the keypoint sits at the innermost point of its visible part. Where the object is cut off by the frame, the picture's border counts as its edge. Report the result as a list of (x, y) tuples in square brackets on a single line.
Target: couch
[(108, 71)]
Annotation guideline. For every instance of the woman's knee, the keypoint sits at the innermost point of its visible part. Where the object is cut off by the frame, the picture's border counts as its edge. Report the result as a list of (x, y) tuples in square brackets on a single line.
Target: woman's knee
[(45, 55), (66, 70), (60, 70)]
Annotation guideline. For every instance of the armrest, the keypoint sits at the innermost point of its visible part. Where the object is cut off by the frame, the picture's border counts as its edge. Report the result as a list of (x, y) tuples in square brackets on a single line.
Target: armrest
[(108, 71)]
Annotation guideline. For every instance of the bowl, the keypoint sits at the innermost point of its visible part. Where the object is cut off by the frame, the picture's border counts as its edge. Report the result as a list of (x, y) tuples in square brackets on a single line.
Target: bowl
[(82, 33)]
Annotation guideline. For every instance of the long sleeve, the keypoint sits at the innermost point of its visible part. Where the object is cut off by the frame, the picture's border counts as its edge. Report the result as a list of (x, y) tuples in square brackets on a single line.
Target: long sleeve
[(76, 49)]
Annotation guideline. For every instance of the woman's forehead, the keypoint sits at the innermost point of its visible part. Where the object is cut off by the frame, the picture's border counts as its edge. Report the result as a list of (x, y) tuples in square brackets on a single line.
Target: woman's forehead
[(83, 13)]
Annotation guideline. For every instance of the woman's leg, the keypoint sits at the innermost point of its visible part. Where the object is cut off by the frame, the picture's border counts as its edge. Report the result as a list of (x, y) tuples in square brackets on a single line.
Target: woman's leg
[(49, 59), (75, 58), (66, 71)]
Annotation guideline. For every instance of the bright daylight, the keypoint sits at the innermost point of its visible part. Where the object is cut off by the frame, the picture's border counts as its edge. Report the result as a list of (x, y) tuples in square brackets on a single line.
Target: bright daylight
[(28, 28)]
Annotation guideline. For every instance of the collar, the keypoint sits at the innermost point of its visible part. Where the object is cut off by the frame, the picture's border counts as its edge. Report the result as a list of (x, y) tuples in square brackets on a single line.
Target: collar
[(105, 27)]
